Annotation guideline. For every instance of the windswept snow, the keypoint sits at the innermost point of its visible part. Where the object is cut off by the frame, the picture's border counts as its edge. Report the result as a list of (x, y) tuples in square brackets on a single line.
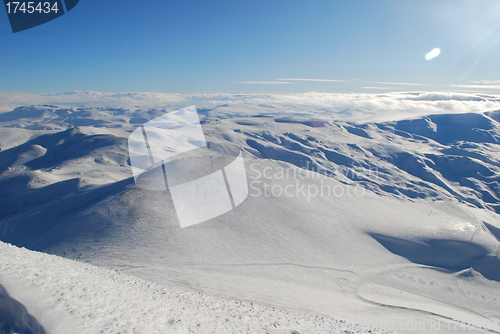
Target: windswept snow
[(14, 318), (71, 297)]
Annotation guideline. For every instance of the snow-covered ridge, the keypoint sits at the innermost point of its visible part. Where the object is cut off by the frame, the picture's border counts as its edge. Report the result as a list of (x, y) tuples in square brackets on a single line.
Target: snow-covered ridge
[(418, 244), (437, 157), (71, 297)]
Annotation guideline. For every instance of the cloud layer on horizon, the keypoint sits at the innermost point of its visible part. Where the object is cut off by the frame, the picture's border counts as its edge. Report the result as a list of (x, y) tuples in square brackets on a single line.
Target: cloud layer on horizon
[(352, 106)]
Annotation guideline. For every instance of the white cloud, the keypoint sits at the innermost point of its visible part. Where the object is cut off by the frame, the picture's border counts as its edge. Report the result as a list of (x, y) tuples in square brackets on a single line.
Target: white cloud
[(477, 86), (352, 106), (400, 83), (315, 80), (495, 82), (265, 82)]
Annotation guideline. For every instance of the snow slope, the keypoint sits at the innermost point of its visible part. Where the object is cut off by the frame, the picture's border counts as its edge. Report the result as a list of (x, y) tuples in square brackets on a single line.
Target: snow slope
[(389, 223), (71, 297)]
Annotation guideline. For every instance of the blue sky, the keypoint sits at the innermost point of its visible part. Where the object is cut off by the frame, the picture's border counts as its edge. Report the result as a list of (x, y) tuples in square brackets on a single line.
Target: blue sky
[(252, 46)]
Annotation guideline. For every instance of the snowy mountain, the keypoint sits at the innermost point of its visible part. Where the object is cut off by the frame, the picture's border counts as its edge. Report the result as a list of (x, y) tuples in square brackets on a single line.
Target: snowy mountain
[(389, 223)]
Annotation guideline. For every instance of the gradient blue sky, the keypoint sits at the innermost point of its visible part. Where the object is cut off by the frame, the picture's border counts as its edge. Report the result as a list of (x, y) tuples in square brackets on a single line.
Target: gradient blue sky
[(235, 46)]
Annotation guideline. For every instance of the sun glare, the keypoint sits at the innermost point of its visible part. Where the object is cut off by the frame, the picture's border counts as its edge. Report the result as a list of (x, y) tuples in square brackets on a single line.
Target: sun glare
[(432, 54)]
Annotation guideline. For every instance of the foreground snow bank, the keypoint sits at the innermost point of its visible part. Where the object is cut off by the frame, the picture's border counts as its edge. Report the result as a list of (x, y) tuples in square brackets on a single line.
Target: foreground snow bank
[(68, 296), (14, 318)]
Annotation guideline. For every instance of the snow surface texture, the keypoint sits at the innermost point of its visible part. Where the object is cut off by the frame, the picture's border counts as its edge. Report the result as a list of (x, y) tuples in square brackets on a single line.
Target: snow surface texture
[(393, 223), (14, 318), (72, 297)]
